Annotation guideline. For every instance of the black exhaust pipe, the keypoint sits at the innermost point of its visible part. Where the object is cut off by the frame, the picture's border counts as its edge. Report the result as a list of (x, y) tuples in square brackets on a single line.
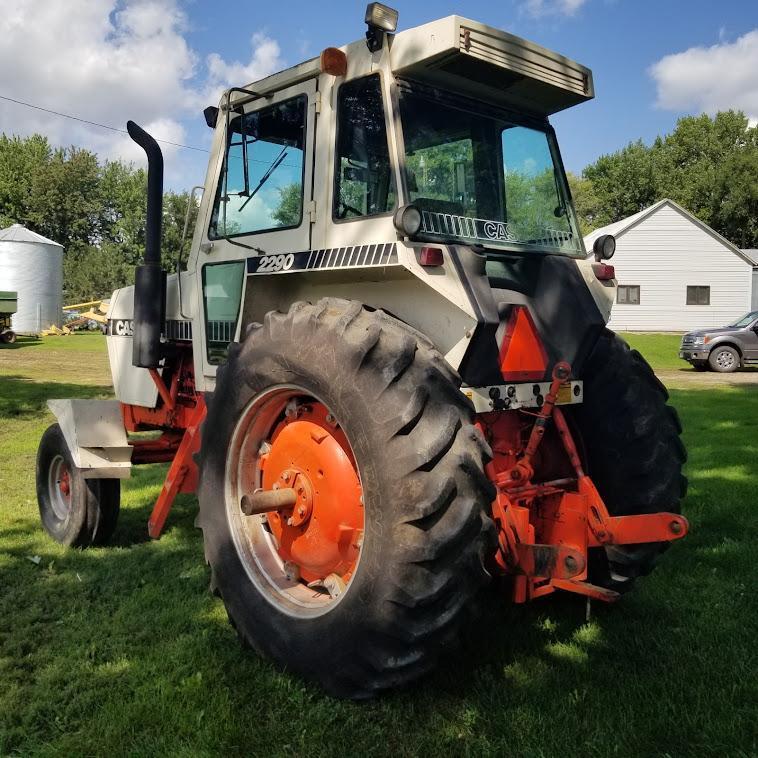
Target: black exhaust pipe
[(149, 278)]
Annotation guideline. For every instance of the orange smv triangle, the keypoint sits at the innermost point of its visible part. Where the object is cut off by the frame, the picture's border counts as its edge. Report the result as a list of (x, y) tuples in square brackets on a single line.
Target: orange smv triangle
[(522, 355)]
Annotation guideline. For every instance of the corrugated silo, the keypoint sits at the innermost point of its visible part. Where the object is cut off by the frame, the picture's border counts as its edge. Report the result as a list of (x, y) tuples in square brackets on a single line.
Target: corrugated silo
[(32, 265)]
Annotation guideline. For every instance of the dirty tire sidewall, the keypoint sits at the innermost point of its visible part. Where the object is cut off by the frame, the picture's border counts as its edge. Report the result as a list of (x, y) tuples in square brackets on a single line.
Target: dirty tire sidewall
[(633, 449), (420, 459), (69, 530), (724, 359)]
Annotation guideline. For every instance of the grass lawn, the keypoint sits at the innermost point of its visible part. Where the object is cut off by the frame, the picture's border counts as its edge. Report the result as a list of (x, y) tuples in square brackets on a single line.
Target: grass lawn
[(123, 650), (661, 350)]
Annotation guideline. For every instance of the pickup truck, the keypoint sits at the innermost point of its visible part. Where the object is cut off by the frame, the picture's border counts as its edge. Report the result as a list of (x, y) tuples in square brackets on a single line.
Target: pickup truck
[(724, 348)]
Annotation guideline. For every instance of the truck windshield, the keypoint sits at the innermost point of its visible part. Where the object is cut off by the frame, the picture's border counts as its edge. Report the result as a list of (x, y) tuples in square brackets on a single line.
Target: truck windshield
[(480, 177), (746, 320)]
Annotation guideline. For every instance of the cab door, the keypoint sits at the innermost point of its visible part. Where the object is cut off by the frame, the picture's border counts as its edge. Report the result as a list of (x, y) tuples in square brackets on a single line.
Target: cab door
[(258, 207)]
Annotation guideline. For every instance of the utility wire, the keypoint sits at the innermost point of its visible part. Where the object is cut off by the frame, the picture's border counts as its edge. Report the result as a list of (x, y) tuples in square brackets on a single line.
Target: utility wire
[(94, 123)]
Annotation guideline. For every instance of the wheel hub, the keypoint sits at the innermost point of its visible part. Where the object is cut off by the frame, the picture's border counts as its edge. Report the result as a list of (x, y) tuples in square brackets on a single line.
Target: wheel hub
[(321, 534)]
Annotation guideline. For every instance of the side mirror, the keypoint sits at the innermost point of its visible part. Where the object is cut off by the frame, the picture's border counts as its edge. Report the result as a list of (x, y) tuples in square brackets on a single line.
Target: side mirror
[(211, 116)]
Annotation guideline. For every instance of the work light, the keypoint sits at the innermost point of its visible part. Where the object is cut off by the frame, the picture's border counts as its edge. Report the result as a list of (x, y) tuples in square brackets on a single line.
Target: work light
[(604, 247), (407, 220), (381, 19)]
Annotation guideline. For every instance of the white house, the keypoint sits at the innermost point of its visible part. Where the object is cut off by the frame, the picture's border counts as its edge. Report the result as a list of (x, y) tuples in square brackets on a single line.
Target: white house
[(674, 272), (752, 254)]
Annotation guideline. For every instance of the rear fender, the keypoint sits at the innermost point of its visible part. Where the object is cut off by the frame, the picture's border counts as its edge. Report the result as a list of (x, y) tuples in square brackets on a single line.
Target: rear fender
[(95, 435)]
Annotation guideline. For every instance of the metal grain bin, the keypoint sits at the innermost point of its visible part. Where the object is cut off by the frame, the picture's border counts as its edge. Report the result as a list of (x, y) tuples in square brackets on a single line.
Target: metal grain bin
[(32, 265)]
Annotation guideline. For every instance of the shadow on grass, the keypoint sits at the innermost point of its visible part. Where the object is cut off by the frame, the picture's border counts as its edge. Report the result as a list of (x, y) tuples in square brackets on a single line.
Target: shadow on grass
[(20, 396), (21, 343), (109, 638)]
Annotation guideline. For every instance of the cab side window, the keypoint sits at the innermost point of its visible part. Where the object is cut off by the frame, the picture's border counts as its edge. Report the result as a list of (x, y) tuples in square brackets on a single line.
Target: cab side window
[(364, 181)]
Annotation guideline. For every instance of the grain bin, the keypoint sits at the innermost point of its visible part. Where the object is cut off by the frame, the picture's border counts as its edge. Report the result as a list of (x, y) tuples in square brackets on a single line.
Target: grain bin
[(32, 265)]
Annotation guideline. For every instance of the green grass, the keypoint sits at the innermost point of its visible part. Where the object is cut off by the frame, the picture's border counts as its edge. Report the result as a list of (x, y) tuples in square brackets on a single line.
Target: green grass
[(122, 650), (660, 350)]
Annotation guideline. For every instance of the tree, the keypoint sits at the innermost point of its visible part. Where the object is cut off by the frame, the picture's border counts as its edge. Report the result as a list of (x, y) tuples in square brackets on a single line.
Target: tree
[(287, 213), (707, 165)]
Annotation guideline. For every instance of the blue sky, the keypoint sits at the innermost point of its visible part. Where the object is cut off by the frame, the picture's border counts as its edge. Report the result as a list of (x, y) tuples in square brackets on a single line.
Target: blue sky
[(160, 61)]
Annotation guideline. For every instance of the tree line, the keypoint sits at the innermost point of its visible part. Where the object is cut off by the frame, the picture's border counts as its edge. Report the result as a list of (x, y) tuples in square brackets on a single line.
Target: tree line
[(96, 209), (709, 165)]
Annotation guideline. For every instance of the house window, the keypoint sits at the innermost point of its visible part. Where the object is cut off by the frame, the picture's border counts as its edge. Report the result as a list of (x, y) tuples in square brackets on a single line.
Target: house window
[(698, 295), (628, 294)]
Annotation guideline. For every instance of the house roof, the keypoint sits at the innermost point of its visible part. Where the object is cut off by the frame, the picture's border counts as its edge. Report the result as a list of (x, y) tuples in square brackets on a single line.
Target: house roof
[(18, 233), (618, 228), (751, 253)]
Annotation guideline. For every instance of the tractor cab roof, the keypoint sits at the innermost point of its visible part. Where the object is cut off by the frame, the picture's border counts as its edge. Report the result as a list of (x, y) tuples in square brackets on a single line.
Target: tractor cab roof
[(464, 56)]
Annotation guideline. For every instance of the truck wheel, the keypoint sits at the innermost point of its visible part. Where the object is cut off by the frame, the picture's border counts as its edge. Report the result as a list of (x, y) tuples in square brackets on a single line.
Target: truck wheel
[(75, 511), (724, 359), (365, 581), (9, 337), (633, 450)]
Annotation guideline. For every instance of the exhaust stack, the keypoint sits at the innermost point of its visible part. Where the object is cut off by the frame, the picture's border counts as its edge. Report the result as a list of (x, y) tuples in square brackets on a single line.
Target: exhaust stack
[(149, 279)]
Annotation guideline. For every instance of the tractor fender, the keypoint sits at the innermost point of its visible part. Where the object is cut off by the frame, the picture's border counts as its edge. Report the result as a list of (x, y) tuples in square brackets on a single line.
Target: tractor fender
[(95, 434)]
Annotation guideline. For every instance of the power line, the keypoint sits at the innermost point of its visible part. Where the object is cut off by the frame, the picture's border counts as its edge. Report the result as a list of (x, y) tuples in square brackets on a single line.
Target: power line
[(94, 123)]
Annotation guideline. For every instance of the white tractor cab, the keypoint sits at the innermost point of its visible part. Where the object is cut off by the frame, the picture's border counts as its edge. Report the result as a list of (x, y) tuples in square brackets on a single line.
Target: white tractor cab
[(391, 333)]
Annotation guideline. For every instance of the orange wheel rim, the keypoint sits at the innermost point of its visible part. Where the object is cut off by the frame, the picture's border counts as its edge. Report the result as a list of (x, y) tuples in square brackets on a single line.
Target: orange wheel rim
[(306, 553), (321, 534)]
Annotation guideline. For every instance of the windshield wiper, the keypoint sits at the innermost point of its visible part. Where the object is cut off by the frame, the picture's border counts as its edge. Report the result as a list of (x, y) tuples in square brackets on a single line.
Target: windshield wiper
[(270, 170)]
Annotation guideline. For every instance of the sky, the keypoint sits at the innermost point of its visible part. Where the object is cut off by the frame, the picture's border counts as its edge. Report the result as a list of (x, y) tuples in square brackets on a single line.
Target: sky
[(160, 62)]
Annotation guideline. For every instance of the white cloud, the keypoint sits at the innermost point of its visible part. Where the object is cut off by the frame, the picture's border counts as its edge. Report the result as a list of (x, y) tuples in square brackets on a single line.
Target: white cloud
[(710, 79), (265, 58), (540, 8), (109, 61)]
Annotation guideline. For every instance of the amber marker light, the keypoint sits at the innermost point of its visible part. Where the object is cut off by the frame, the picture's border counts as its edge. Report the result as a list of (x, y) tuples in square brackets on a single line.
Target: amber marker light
[(333, 61)]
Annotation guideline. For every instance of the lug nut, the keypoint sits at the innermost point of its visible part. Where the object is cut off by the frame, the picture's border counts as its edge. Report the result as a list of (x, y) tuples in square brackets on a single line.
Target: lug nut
[(495, 393), (675, 527)]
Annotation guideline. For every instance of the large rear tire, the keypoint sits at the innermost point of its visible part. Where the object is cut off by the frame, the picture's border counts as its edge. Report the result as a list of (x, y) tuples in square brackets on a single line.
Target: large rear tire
[(634, 453), (395, 407)]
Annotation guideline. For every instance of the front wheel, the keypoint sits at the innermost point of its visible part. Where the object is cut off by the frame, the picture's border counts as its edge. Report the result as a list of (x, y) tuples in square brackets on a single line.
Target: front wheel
[(75, 511), (724, 359), (363, 577)]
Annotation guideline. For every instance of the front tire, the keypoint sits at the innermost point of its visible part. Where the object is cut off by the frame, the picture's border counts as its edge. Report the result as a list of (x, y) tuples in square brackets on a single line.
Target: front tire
[(74, 511), (724, 359), (386, 392), (633, 450)]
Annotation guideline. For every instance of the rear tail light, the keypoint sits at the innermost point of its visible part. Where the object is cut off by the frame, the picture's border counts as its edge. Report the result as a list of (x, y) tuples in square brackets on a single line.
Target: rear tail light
[(603, 271), (431, 256)]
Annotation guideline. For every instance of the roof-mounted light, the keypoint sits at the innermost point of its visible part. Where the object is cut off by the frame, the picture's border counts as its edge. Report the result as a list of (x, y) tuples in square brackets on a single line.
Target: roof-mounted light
[(381, 20)]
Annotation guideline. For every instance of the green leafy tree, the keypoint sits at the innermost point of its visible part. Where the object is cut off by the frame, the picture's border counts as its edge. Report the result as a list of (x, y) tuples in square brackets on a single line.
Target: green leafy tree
[(287, 213)]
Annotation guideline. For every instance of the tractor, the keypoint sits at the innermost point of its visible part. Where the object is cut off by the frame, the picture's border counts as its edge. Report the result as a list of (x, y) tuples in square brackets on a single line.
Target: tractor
[(384, 366)]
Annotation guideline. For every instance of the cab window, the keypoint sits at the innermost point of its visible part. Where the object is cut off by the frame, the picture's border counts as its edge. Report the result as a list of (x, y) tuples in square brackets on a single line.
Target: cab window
[(222, 294), (261, 186), (364, 182)]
